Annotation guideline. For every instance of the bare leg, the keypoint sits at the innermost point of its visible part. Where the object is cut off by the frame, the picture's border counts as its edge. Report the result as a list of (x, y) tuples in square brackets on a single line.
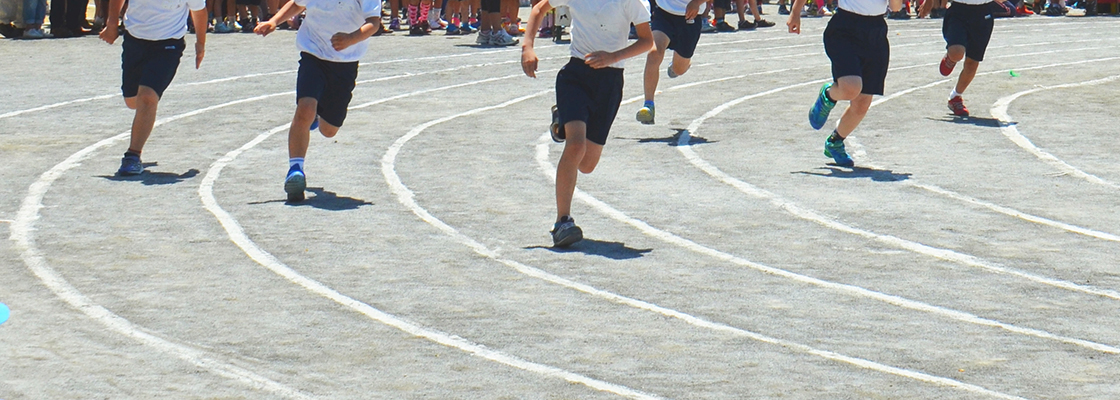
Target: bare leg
[(567, 170), (299, 134), (967, 74), (857, 109), (653, 63), (145, 103)]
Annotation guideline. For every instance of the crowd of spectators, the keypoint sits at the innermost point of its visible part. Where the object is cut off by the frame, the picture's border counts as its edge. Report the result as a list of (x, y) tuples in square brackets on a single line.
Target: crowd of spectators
[(25, 19)]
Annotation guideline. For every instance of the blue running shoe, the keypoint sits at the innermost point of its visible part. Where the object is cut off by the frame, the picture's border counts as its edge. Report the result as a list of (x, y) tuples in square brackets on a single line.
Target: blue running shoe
[(315, 123), (819, 114), (130, 166), (670, 73), (838, 154), (565, 233), (295, 184)]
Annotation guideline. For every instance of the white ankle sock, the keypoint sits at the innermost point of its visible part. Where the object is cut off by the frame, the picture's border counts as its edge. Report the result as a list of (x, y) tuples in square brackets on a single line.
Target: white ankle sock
[(953, 94), (296, 161)]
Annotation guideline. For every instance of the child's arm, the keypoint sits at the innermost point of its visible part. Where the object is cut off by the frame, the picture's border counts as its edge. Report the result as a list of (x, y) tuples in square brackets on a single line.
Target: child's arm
[(794, 22), (692, 9), (343, 40), (528, 55), (602, 59), (200, 19), (287, 12), (110, 34)]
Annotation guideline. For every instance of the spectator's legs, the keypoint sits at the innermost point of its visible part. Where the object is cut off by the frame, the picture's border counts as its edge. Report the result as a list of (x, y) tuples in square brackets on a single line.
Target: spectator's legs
[(145, 103)]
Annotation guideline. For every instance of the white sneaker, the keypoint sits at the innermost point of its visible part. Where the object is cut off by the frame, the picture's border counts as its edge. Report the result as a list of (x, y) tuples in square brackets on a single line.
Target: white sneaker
[(483, 38), (502, 38)]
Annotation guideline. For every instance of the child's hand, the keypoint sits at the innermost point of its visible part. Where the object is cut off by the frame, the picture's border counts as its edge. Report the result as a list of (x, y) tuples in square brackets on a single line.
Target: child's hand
[(265, 28), (529, 61), (341, 41), (794, 23), (109, 34), (600, 59)]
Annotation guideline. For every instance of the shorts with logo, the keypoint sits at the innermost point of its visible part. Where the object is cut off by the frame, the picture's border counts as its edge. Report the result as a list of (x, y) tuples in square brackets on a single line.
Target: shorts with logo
[(969, 26), (857, 45), (589, 95), (151, 63), (329, 83), (683, 36)]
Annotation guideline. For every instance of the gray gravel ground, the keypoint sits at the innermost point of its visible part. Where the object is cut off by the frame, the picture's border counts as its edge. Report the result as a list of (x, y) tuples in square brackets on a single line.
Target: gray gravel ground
[(951, 263)]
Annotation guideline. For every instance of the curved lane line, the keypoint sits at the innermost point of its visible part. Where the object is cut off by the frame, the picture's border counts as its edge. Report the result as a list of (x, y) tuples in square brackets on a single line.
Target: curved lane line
[(1009, 129), (22, 233), (407, 198)]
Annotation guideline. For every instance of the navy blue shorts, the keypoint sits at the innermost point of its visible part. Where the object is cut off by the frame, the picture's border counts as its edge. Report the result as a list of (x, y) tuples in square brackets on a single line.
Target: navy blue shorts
[(683, 36), (589, 95), (329, 83), (858, 46), (724, 5), (151, 63), (969, 26)]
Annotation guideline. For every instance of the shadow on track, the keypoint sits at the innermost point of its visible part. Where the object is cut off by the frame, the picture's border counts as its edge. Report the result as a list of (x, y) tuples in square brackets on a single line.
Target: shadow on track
[(592, 247), (323, 200), (150, 178), (877, 175), (978, 121), (674, 141)]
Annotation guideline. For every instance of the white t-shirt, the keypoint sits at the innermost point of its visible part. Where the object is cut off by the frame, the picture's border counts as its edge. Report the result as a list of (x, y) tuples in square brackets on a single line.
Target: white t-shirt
[(603, 25), (327, 17), (868, 8), (676, 7), (159, 19)]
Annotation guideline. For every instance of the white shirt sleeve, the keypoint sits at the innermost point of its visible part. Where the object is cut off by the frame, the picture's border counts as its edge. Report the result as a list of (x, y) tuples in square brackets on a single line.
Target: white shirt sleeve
[(638, 11), (301, 3), (557, 3), (196, 5)]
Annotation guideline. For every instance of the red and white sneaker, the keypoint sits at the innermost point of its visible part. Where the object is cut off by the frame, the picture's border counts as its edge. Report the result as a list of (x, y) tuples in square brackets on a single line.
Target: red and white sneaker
[(947, 66), (956, 104)]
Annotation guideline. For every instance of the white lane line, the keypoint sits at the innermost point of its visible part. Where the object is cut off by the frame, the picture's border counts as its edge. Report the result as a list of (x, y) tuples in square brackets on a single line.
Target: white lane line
[(407, 198), (1009, 129), (22, 233), (811, 215), (238, 237), (548, 169)]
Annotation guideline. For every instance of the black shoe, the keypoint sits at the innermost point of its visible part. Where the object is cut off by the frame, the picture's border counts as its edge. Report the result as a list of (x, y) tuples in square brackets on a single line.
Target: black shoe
[(415, 30), (782, 10), (565, 232), (723, 26), (746, 26), (763, 23), (556, 128)]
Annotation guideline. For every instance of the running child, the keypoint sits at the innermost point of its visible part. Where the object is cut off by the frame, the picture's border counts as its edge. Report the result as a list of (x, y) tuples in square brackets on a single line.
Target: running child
[(153, 45), (967, 28), (588, 88), (675, 28), (856, 43), (331, 40)]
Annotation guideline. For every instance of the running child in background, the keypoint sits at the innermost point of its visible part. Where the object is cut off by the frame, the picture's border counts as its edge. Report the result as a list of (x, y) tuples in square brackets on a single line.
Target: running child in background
[(856, 43), (967, 28), (588, 88), (675, 28), (153, 45), (331, 40)]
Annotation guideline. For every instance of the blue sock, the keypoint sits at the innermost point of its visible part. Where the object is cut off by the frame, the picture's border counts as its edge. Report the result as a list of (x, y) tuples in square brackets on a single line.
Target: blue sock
[(649, 103), (296, 162)]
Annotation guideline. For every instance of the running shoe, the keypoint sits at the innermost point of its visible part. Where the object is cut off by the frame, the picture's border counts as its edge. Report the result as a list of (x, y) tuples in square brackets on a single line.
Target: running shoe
[(452, 30), (130, 166), (819, 114), (956, 105), (763, 23), (946, 66), (645, 115), (483, 38), (34, 34), (706, 26), (295, 184), (502, 38), (556, 128), (545, 32), (314, 124), (745, 25), (782, 10), (466, 29), (671, 73), (836, 151), (565, 232), (395, 24), (723, 26)]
